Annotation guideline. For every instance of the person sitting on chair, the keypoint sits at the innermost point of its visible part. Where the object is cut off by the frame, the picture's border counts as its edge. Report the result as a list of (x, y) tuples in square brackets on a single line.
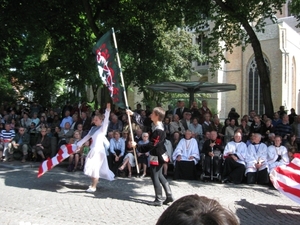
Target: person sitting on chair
[(256, 161), (185, 157), (212, 150), (20, 143), (234, 155)]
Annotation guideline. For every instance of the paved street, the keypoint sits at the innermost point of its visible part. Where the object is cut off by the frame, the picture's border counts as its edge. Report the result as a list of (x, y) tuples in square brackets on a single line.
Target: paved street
[(58, 197)]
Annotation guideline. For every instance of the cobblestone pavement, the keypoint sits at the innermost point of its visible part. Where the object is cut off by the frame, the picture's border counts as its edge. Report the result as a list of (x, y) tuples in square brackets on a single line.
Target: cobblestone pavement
[(58, 197)]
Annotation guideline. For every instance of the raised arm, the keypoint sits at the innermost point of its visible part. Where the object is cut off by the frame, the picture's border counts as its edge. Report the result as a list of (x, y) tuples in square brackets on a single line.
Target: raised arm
[(106, 119)]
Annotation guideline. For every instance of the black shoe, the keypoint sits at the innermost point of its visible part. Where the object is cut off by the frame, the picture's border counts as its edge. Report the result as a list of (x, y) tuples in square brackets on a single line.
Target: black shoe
[(156, 203), (225, 180), (168, 200)]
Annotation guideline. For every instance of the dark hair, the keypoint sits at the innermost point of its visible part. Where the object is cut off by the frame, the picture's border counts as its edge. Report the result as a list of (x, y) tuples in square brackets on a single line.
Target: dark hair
[(197, 210)]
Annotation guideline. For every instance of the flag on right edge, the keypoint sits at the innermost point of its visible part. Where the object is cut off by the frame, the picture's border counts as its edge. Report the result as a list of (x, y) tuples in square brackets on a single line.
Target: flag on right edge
[(286, 179)]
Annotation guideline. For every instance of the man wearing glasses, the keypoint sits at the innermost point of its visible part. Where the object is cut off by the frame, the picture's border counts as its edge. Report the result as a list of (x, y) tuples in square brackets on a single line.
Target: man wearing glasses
[(19, 143)]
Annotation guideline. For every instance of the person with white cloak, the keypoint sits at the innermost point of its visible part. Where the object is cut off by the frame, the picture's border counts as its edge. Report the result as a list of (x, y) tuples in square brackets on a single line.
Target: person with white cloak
[(277, 154), (96, 165), (185, 157), (234, 155), (257, 168)]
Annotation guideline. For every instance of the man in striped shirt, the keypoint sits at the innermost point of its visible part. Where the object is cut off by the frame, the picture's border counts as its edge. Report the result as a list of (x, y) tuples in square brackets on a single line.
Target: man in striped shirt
[(6, 136)]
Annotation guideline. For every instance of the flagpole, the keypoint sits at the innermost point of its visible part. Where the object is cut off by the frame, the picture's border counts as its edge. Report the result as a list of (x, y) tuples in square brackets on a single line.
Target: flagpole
[(125, 97)]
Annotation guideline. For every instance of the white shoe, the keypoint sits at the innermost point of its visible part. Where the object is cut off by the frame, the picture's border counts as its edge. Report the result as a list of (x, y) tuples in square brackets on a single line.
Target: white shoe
[(91, 190)]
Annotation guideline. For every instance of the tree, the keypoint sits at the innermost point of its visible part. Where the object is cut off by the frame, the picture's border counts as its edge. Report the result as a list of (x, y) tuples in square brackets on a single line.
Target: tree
[(232, 22)]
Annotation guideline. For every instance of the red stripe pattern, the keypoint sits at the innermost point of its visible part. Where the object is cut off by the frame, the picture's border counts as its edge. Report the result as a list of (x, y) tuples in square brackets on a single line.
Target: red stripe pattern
[(64, 152), (286, 179)]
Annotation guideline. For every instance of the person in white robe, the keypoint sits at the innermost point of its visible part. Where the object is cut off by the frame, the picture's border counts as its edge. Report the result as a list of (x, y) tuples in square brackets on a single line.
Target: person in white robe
[(185, 157), (234, 155), (96, 165), (277, 154), (257, 161)]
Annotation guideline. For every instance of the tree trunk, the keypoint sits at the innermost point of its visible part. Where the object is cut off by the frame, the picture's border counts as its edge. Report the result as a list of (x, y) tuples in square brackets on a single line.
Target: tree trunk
[(265, 83)]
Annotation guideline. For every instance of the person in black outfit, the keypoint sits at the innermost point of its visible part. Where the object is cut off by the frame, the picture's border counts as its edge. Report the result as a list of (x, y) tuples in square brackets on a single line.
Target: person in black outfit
[(212, 149), (156, 148)]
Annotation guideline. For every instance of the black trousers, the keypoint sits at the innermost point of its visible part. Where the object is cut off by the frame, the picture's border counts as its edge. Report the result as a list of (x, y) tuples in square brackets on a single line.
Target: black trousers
[(259, 177), (233, 171), (185, 170), (113, 164), (212, 165), (158, 179)]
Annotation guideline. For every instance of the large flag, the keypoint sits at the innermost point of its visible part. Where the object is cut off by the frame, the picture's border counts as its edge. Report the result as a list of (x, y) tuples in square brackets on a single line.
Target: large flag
[(286, 179), (108, 69), (64, 152)]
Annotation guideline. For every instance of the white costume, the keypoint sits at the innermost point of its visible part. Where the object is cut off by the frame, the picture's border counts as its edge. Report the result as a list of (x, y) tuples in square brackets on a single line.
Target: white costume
[(256, 153), (96, 165), (239, 149), (187, 148), (273, 154)]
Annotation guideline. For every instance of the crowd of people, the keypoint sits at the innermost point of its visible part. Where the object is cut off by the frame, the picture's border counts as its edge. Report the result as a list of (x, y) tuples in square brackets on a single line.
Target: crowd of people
[(241, 149)]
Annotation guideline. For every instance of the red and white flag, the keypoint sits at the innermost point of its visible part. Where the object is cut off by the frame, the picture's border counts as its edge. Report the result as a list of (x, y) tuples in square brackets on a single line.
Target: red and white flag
[(286, 179), (64, 152)]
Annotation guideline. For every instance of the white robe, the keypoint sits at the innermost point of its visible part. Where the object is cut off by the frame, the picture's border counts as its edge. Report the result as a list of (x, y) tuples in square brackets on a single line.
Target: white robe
[(273, 153), (239, 149), (96, 165), (186, 149), (256, 153)]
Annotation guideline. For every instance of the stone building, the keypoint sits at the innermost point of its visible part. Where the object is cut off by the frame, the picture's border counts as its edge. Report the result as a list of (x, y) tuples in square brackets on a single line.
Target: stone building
[(281, 48)]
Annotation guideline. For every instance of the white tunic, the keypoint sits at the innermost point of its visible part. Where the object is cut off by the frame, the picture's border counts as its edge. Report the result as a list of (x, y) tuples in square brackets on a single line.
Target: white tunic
[(273, 153), (256, 153), (239, 149), (186, 149), (96, 165)]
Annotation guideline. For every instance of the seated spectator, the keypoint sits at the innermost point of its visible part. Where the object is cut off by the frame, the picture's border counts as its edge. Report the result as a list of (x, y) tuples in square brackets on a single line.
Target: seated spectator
[(234, 165), (271, 139), (35, 119), (143, 157), (6, 136), (196, 129), (14, 125), (291, 152), (65, 134), (138, 135), (20, 142), (76, 156), (175, 139), (197, 210), (267, 129), (66, 119), (207, 124), (115, 124), (128, 160), (176, 125), (185, 157), (291, 142), (257, 161), (186, 120), (229, 131), (42, 147), (206, 136), (86, 122), (245, 129), (212, 150), (55, 123), (257, 126), (217, 126), (234, 115), (25, 121), (284, 129), (116, 152), (292, 116), (276, 119), (277, 154), (167, 127), (124, 135)]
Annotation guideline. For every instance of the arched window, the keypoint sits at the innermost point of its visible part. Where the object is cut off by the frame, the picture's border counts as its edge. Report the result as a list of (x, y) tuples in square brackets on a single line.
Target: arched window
[(255, 99)]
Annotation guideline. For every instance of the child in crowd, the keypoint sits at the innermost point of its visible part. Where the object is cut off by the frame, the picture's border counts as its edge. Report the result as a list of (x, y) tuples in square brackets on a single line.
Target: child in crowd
[(85, 151)]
